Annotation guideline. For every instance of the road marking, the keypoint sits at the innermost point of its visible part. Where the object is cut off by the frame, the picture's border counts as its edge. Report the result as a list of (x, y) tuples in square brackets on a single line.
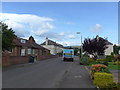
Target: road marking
[(78, 76)]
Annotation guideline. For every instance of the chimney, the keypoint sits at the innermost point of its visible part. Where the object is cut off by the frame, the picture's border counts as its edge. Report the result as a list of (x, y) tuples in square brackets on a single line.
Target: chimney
[(31, 39), (46, 41)]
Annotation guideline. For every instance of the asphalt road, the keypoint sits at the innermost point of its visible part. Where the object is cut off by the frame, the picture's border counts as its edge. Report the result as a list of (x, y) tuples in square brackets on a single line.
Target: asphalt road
[(51, 73)]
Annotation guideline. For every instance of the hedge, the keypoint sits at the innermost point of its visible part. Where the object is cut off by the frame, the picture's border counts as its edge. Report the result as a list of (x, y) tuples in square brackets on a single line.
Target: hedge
[(103, 80)]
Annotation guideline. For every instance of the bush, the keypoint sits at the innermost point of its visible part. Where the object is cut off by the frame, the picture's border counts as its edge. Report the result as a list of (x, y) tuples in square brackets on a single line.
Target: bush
[(105, 63), (84, 60), (117, 63), (114, 86), (100, 60), (91, 60), (99, 68), (103, 80), (109, 58), (117, 58)]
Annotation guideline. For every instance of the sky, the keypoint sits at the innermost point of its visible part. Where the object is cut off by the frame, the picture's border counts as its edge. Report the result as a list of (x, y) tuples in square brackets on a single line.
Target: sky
[(60, 21)]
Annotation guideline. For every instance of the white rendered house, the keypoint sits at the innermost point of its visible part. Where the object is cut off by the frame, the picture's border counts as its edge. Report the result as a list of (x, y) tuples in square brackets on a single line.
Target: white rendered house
[(52, 46)]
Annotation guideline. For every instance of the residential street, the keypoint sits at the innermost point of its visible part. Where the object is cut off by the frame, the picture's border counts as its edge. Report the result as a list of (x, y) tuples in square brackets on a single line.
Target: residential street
[(51, 73)]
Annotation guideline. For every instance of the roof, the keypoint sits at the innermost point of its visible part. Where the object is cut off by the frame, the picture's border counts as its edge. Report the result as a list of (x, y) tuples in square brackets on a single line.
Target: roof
[(50, 42), (27, 43), (107, 42)]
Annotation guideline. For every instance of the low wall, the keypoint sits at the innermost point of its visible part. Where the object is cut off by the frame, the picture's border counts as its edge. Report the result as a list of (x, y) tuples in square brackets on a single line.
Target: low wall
[(43, 57), (8, 60)]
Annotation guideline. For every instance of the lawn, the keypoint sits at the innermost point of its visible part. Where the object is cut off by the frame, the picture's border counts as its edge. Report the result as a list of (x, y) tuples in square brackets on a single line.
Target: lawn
[(112, 66)]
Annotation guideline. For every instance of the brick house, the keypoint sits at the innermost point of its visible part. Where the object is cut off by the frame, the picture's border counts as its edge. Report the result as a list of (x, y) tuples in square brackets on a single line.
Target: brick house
[(22, 50), (25, 47)]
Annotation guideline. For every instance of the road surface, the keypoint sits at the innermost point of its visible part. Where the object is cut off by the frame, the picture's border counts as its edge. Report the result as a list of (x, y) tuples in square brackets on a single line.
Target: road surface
[(51, 73)]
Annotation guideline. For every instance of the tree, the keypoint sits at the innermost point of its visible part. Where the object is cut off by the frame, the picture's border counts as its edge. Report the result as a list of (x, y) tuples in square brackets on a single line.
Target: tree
[(7, 36), (116, 49), (95, 46)]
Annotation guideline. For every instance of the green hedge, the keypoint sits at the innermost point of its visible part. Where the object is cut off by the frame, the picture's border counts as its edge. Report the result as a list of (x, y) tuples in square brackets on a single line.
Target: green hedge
[(103, 80)]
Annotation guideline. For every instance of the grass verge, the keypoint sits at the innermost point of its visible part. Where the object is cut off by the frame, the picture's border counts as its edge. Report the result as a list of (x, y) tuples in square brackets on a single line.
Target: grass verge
[(112, 66)]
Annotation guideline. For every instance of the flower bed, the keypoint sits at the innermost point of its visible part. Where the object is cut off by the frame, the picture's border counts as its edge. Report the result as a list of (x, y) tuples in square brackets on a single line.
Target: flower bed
[(103, 78), (98, 68)]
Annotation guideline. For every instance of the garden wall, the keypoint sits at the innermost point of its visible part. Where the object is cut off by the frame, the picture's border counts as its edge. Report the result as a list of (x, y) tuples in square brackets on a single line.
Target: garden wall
[(8, 60)]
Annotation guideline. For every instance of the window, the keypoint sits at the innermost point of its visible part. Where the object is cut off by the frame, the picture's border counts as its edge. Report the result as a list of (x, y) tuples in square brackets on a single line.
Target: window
[(29, 51), (22, 52), (33, 51), (23, 41)]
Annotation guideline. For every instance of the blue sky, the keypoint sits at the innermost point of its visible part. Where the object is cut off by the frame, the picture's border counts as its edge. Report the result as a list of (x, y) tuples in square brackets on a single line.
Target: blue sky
[(61, 20)]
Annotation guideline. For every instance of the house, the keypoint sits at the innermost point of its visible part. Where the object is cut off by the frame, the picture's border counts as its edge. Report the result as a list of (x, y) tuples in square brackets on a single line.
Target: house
[(52, 46), (28, 47), (108, 50), (23, 51)]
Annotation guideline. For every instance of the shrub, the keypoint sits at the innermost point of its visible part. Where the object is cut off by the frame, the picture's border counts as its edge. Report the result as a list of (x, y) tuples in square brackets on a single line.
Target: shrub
[(103, 80), (112, 54), (99, 68), (117, 63), (100, 60), (91, 59), (109, 58), (84, 60), (105, 63), (117, 58), (114, 86)]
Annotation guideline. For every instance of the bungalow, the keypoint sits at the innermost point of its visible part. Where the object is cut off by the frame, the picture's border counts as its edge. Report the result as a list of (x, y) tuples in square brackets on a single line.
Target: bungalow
[(52, 46), (25, 47)]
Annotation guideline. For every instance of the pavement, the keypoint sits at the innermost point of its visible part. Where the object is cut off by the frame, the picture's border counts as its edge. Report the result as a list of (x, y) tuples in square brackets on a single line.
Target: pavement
[(116, 74), (51, 73)]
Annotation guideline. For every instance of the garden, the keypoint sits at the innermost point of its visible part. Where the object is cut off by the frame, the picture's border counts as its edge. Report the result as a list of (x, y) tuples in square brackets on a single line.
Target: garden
[(100, 70)]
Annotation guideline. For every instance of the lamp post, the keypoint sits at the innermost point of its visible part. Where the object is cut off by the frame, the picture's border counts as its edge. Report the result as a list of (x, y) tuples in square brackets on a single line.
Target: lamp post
[(81, 42)]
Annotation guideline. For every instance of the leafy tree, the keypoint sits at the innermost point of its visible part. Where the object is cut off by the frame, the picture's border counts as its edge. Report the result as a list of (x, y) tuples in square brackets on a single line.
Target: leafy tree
[(116, 49), (7, 36), (95, 46)]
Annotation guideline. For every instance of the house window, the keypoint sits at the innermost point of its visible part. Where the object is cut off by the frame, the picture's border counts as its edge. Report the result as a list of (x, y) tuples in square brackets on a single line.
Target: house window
[(33, 51), (22, 52), (23, 41), (29, 51)]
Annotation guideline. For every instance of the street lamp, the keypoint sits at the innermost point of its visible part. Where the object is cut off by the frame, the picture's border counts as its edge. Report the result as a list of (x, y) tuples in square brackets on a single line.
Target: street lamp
[(81, 41)]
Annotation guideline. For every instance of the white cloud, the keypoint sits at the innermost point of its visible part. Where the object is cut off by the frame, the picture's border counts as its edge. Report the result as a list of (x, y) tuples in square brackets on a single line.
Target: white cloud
[(53, 35), (97, 28), (62, 33), (25, 24), (71, 36), (68, 43), (70, 23)]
